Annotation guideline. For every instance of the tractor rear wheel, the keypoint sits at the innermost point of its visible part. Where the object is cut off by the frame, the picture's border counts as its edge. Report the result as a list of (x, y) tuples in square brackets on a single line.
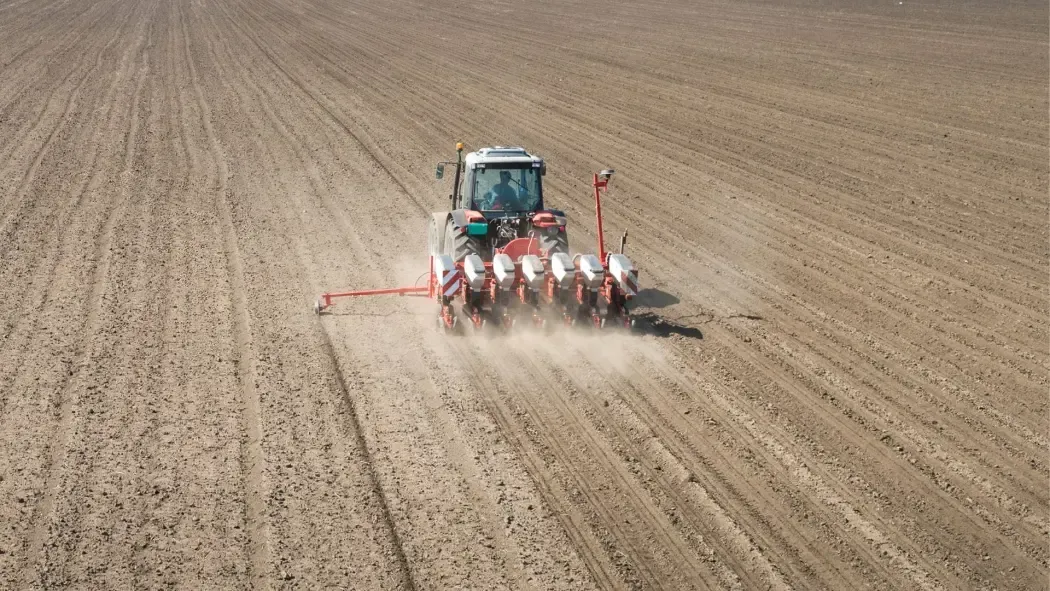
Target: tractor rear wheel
[(436, 234), (460, 244)]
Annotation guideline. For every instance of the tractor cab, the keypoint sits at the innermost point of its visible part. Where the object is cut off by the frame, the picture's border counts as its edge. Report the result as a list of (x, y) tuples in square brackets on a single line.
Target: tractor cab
[(497, 207), (502, 180)]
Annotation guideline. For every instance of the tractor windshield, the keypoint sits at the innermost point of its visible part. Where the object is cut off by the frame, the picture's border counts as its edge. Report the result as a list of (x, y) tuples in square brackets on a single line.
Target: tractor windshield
[(507, 188)]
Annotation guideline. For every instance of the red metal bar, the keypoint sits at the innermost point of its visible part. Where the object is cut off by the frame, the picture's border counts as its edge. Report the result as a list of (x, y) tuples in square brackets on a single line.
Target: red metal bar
[(384, 291), (598, 186), (328, 297)]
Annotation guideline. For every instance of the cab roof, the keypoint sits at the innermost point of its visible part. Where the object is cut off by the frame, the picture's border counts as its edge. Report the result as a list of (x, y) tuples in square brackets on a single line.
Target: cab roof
[(500, 155)]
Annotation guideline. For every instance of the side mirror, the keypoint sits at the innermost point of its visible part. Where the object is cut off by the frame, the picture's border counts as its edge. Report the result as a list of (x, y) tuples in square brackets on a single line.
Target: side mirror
[(440, 171)]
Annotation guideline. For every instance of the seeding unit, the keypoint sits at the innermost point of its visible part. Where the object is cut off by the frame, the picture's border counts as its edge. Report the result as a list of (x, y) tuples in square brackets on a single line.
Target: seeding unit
[(522, 277)]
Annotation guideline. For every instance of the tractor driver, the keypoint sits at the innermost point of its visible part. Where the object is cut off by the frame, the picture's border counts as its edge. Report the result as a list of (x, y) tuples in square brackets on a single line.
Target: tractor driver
[(503, 196)]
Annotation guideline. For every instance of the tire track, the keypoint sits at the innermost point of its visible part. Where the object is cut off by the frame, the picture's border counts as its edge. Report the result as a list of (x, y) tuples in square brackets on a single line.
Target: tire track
[(259, 551), (41, 369), (165, 207), (408, 581), (355, 433), (97, 447), (98, 287), (191, 484)]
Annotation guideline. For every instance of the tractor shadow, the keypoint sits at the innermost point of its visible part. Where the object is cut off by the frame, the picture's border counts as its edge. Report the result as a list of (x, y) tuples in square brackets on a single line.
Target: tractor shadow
[(653, 324), (655, 299)]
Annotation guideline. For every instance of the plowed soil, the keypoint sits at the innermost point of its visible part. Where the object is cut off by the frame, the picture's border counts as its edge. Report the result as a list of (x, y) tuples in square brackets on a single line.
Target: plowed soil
[(839, 210)]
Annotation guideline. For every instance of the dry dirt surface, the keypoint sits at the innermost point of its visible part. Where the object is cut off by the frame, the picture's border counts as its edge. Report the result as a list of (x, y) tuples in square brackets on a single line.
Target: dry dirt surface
[(840, 211)]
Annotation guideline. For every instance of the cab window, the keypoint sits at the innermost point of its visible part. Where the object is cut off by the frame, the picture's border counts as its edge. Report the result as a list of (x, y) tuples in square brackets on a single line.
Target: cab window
[(506, 189)]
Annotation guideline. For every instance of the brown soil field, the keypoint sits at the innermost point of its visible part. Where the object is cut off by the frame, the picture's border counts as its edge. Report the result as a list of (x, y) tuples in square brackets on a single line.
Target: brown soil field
[(840, 212)]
